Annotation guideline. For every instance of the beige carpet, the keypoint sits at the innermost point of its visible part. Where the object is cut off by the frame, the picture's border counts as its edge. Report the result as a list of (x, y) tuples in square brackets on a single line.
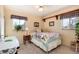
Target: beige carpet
[(32, 49)]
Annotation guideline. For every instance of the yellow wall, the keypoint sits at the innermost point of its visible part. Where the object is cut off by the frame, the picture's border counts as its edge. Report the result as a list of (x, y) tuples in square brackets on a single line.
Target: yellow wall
[(8, 23)]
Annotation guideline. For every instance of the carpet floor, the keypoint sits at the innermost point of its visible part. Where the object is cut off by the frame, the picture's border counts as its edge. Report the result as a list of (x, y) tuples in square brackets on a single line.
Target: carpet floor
[(32, 49)]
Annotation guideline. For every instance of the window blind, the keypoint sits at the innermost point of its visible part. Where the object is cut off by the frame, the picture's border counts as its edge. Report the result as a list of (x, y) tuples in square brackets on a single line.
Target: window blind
[(19, 17), (70, 14)]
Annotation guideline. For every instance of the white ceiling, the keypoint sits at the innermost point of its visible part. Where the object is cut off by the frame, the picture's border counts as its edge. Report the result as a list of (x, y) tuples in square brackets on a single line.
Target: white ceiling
[(31, 9)]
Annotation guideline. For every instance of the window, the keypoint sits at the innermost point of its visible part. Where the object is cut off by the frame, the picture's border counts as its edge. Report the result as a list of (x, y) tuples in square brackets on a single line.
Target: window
[(18, 21), (73, 22), (65, 23), (70, 19), (69, 23)]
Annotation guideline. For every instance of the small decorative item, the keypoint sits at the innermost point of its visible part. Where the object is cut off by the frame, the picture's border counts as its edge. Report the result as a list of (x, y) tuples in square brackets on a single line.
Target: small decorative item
[(51, 23), (36, 24)]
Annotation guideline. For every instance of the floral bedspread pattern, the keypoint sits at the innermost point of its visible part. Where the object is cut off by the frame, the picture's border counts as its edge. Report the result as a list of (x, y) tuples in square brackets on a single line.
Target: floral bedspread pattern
[(46, 39)]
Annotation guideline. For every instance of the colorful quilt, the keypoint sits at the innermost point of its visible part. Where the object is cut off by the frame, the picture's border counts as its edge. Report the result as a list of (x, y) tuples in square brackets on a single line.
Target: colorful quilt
[(46, 40)]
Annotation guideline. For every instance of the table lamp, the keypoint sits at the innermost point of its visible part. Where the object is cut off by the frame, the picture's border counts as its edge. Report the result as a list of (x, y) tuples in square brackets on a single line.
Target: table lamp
[(26, 31)]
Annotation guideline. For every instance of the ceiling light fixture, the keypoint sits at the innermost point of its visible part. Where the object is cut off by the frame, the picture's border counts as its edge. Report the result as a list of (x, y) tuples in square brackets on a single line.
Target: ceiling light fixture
[(40, 8), (37, 6)]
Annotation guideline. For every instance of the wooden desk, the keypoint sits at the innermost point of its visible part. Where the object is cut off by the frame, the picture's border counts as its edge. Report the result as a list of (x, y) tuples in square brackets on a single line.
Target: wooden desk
[(26, 38)]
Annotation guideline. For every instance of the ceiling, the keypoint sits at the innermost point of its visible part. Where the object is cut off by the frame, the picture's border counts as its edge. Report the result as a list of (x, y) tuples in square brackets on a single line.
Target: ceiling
[(31, 9)]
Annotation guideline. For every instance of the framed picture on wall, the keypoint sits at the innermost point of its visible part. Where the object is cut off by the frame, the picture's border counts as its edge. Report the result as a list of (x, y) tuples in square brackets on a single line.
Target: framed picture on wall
[(36, 24), (51, 23)]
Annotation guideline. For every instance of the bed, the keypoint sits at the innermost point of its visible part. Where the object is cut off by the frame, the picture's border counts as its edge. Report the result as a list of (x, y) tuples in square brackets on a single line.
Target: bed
[(46, 41), (9, 45)]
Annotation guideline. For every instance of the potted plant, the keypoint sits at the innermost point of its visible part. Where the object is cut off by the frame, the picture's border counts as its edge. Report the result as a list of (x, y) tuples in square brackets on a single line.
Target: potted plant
[(77, 30), (18, 27)]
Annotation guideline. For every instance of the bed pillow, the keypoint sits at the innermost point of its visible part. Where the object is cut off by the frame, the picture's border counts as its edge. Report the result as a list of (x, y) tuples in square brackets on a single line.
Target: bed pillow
[(44, 37)]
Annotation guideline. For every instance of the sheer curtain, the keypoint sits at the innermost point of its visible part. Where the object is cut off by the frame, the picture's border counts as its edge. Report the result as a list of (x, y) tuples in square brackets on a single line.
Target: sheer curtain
[(0, 28), (1, 23)]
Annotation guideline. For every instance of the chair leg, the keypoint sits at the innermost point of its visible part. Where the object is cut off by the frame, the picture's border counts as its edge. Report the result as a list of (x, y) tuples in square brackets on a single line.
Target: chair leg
[(16, 52), (76, 48)]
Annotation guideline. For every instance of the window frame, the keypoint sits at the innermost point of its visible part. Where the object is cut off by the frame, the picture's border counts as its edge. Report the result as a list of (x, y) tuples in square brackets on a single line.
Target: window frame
[(19, 18), (70, 28)]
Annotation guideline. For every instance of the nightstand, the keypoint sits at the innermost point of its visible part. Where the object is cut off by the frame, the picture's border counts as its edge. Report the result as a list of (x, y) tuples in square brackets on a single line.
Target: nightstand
[(26, 38)]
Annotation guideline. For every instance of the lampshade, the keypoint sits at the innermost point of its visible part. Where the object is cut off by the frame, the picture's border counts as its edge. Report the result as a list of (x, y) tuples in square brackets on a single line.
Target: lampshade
[(26, 29)]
